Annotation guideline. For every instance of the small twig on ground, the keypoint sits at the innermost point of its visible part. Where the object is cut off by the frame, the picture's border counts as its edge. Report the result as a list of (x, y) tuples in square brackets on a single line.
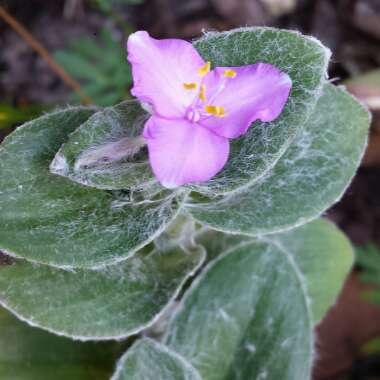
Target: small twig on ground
[(36, 45)]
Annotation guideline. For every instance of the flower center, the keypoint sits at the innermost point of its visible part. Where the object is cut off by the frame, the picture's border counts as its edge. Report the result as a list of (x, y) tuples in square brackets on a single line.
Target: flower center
[(193, 115), (201, 107)]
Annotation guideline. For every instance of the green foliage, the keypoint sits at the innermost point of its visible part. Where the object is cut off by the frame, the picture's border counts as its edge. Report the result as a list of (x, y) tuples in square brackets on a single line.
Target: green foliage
[(312, 174), (51, 220), (107, 5), (304, 59), (368, 258), (102, 251), (372, 346), (252, 310), (109, 303), (27, 353), (101, 65), (252, 155), (318, 248), (148, 359), (102, 152), (12, 115)]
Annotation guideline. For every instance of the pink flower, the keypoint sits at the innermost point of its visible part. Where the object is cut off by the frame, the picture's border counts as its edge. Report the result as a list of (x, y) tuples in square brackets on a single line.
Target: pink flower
[(196, 110)]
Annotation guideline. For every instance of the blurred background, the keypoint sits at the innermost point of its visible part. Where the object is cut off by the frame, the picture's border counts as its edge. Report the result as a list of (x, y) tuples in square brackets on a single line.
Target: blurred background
[(54, 53)]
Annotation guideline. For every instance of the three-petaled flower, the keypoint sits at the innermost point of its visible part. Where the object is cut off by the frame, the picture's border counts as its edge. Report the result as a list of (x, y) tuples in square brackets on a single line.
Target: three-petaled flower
[(196, 110)]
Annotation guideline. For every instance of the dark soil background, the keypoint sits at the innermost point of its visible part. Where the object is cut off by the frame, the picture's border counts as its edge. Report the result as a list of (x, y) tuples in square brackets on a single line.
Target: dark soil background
[(351, 28)]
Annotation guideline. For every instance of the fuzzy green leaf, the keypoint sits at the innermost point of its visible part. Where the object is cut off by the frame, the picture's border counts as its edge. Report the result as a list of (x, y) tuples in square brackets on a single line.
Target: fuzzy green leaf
[(309, 178), (27, 353), (303, 58), (321, 251), (236, 322), (107, 152), (147, 359), (324, 257), (250, 314), (108, 303), (51, 220)]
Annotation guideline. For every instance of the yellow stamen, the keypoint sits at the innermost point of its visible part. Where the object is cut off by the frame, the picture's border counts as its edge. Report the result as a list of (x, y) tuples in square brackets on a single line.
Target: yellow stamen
[(204, 69), (202, 93), (230, 73), (215, 111), (190, 86), (3, 116)]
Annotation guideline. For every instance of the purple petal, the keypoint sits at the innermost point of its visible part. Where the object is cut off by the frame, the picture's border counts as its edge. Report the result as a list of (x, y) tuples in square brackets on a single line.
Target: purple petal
[(182, 152), (159, 69), (257, 91)]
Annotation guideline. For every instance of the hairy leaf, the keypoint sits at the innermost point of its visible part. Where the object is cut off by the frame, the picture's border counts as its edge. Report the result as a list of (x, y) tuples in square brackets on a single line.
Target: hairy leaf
[(250, 314), (108, 303), (107, 151), (27, 353), (321, 251), (324, 257), (236, 322), (49, 219), (309, 178), (303, 58), (147, 359)]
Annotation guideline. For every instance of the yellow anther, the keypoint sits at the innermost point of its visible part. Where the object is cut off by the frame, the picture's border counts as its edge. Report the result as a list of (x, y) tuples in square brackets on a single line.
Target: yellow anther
[(215, 111), (230, 73), (204, 69), (202, 93), (190, 86), (3, 116)]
